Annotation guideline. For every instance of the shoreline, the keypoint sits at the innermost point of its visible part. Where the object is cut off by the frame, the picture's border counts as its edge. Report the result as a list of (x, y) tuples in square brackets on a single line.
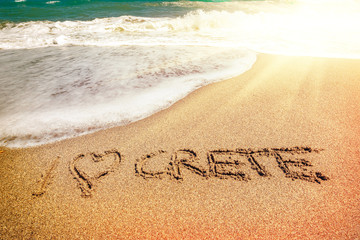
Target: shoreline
[(176, 102), (85, 106), (272, 153)]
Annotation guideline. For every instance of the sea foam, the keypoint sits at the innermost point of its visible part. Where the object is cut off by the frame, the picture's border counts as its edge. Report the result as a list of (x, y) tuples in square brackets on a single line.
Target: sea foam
[(62, 92), (302, 30)]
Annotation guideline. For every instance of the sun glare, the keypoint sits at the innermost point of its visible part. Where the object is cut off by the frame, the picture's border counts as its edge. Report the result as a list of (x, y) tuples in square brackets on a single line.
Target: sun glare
[(322, 26)]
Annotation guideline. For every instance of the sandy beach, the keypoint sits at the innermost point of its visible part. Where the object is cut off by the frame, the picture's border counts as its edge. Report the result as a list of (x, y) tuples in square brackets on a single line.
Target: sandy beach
[(271, 154)]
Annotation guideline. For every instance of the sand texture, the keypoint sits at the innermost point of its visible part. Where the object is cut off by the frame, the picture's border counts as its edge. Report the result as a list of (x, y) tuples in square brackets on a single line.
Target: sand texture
[(271, 154)]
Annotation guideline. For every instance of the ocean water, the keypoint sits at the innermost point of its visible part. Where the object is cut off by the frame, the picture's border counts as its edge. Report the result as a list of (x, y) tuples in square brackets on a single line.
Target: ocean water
[(70, 67)]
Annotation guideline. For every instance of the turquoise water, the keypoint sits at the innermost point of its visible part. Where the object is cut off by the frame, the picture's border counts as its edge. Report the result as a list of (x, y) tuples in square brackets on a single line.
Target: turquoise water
[(71, 67), (61, 10)]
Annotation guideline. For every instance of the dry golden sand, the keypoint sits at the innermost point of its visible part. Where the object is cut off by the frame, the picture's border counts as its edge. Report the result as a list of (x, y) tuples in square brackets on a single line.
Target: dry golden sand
[(282, 102)]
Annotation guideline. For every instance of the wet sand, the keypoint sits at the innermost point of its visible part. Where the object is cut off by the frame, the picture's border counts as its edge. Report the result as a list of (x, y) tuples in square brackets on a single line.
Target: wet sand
[(271, 154)]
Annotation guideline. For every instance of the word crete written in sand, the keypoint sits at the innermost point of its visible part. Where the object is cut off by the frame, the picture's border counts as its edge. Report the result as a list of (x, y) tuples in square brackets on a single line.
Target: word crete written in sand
[(239, 164)]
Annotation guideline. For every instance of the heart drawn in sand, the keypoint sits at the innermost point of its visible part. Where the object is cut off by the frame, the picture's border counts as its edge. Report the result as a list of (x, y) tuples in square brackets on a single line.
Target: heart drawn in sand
[(88, 169)]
